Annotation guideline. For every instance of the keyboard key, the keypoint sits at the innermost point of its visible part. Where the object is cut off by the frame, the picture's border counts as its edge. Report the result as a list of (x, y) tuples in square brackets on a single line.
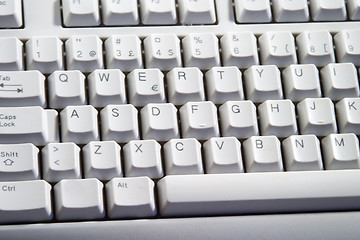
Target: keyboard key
[(353, 8), (290, 11), (201, 50), (197, 12), (22, 88), (11, 58), (341, 151), (143, 158), (28, 125), (11, 14), (262, 154), (79, 199), (223, 155), (162, 51), (348, 46), (19, 162), (252, 11), (130, 197), (302, 153), (79, 124), (158, 12), (61, 161), (348, 116), (44, 54), (80, 13), (325, 10), (183, 156), (84, 53), (117, 12), (101, 160), (199, 120), (106, 86), (159, 122), (306, 191), (315, 47), (66, 88), (234, 53), (123, 52), (316, 116), (28, 201), (114, 126), (333, 84)]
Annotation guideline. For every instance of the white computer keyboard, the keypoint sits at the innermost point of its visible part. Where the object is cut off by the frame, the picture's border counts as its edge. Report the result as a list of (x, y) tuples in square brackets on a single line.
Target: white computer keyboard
[(186, 119)]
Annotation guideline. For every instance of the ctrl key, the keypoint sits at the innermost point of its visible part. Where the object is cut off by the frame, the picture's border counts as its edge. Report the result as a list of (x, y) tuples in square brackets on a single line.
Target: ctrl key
[(27, 201)]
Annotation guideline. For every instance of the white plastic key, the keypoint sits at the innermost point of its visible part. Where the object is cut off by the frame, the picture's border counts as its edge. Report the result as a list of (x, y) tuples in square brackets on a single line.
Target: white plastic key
[(235, 54), (22, 88), (106, 86), (19, 162), (199, 120), (197, 12), (290, 11), (238, 119), (79, 199), (347, 44), (262, 154), (143, 158), (130, 197), (348, 116), (159, 121), (123, 52), (223, 155), (201, 50), (253, 11), (81, 13), (162, 51), (302, 153), (325, 10), (61, 161), (84, 53), (11, 14), (117, 12), (115, 126), (101, 160), (341, 151), (183, 156), (353, 8), (44, 54), (316, 116), (66, 88), (11, 58), (28, 125), (158, 12), (79, 124), (315, 47), (27, 201)]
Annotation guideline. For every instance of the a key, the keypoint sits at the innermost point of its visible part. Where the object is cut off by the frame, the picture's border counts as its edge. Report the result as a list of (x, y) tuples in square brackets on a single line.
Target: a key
[(22, 88), (79, 124), (223, 155), (106, 86), (114, 126), (11, 14), (290, 11), (158, 12), (84, 53), (28, 125), (101, 160), (183, 156), (302, 153), (252, 11), (19, 162), (143, 158), (27, 201), (325, 10), (348, 115), (61, 161), (66, 88), (353, 8), (197, 12), (130, 197), (81, 13), (11, 58), (117, 12), (347, 44), (79, 199)]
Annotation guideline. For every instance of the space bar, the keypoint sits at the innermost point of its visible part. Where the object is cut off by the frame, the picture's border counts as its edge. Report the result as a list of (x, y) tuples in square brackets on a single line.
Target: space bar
[(254, 193)]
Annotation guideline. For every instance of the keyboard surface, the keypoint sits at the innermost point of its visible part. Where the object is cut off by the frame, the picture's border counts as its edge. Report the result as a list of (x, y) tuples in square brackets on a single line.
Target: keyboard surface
[(187, 119)]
